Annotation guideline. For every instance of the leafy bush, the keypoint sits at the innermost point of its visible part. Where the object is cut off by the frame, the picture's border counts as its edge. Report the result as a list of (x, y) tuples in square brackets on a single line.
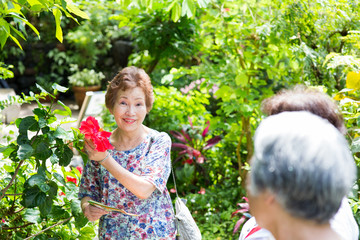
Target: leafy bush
[(38, 195), (85, 78)]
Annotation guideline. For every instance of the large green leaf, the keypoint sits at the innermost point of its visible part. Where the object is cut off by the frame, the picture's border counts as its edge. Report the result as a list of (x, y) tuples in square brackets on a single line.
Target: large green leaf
[(25, 151), (75, 207), (53, 191), (28, 123), (32, 215), (43, 151), (36, 180), (87, 233), (62, 134), (45, 207), (33, 197), (65, 155), (57, 212), (80, 221)]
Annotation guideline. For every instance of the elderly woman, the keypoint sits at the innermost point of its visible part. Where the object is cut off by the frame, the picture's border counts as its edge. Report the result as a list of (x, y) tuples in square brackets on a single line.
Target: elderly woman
[(301, 98), (295, 186), (133, 175)]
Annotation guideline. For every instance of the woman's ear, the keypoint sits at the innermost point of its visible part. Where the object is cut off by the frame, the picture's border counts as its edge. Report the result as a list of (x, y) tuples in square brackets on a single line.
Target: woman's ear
[(269, 198)]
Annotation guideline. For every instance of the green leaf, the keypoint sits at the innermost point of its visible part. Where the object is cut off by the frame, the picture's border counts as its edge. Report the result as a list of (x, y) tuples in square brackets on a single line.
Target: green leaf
[(87, 233), (53, 189), (203, 3), (32, 215), (81, 221), (43, 151), (176, 12), (58, 213), (75, 10), (241, 79), (39, 112), (62, 134), (28, 123), (64, 156), (45, 207), (22, 139), (42, 123), (9, 169), (7, 150), (33, 197), (44, 187), (17, 32), (188, 8), (59, 178), (75, 207), (34, 2), (16, 41), (4, 31), (59, 88), (36, 180), (54, 159), (25, 151), (26, 22), (57, 14)]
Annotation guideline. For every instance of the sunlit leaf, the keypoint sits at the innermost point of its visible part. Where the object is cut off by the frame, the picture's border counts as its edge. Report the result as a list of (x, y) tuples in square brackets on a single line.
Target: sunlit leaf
[(353, 80), (57, 14), (75, 10)]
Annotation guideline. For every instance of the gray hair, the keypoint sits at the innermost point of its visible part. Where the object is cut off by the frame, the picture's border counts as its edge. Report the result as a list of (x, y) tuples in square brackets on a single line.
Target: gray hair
[(305, 162)]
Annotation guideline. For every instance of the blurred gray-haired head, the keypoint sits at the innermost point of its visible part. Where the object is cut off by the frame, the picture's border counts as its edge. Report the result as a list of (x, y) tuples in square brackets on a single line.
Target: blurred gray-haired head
[(305, 162)]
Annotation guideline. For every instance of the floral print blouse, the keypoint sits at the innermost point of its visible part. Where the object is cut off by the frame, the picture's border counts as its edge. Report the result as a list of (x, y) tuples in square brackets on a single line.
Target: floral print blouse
[(155, 220)]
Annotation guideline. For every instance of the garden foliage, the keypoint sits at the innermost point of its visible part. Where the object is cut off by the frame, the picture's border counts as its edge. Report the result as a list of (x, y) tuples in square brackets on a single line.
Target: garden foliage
[(209, 61)]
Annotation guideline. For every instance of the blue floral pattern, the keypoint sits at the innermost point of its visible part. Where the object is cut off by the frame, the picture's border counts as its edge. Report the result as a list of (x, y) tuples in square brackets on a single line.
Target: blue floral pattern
[(151, 160)]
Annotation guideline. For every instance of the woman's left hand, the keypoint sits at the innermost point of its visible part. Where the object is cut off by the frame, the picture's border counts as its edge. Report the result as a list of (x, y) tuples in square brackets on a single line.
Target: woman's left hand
[(93, 154)]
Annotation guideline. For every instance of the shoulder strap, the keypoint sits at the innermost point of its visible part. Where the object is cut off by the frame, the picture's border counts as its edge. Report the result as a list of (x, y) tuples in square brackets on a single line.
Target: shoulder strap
[(173, 174)]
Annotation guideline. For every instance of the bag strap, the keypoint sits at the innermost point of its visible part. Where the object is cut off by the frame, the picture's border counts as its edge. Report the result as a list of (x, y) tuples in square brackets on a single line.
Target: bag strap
[(173, 174)]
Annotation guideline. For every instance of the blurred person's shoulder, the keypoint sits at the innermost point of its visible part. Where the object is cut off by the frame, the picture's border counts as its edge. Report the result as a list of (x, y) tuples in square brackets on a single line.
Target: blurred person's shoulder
[(251, 231)]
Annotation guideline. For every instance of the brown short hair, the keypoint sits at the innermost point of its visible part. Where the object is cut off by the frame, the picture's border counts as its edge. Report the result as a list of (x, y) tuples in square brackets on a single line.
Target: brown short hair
[(301, 98), (128, 78)]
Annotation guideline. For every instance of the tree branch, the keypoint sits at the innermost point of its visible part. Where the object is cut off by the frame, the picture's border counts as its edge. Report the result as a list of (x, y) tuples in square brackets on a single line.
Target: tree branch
[(44, 230), (12, 180), (22, 226)]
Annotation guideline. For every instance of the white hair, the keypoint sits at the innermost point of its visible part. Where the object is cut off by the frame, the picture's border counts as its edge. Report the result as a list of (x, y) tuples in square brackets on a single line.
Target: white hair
[(305, 162)]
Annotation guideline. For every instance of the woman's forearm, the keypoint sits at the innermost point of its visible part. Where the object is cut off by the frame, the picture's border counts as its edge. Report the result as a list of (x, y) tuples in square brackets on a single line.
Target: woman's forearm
[(140, 187)]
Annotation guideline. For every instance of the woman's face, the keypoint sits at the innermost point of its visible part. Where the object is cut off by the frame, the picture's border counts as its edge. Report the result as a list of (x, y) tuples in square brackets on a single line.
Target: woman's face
[(130, 109)]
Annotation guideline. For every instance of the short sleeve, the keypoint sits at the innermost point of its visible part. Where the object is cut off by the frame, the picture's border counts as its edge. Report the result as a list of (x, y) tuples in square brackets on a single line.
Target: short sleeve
[(157, 161), (90, 184)]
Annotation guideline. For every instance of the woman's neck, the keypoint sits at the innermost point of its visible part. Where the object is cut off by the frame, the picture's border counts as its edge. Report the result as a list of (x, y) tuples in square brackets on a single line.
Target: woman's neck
[(128, 140), (298, 229)]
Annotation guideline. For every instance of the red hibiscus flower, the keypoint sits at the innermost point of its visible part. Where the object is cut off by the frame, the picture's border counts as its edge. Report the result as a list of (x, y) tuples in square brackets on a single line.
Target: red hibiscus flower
[(71, 179), (91, 129), (80, 169)]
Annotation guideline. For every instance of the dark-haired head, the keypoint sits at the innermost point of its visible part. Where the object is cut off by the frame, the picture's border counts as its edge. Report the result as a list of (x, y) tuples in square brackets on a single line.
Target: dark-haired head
[(301, 98)]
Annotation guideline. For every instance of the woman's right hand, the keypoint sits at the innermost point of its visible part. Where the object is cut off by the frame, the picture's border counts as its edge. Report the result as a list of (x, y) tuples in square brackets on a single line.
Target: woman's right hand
[(92, 213)]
